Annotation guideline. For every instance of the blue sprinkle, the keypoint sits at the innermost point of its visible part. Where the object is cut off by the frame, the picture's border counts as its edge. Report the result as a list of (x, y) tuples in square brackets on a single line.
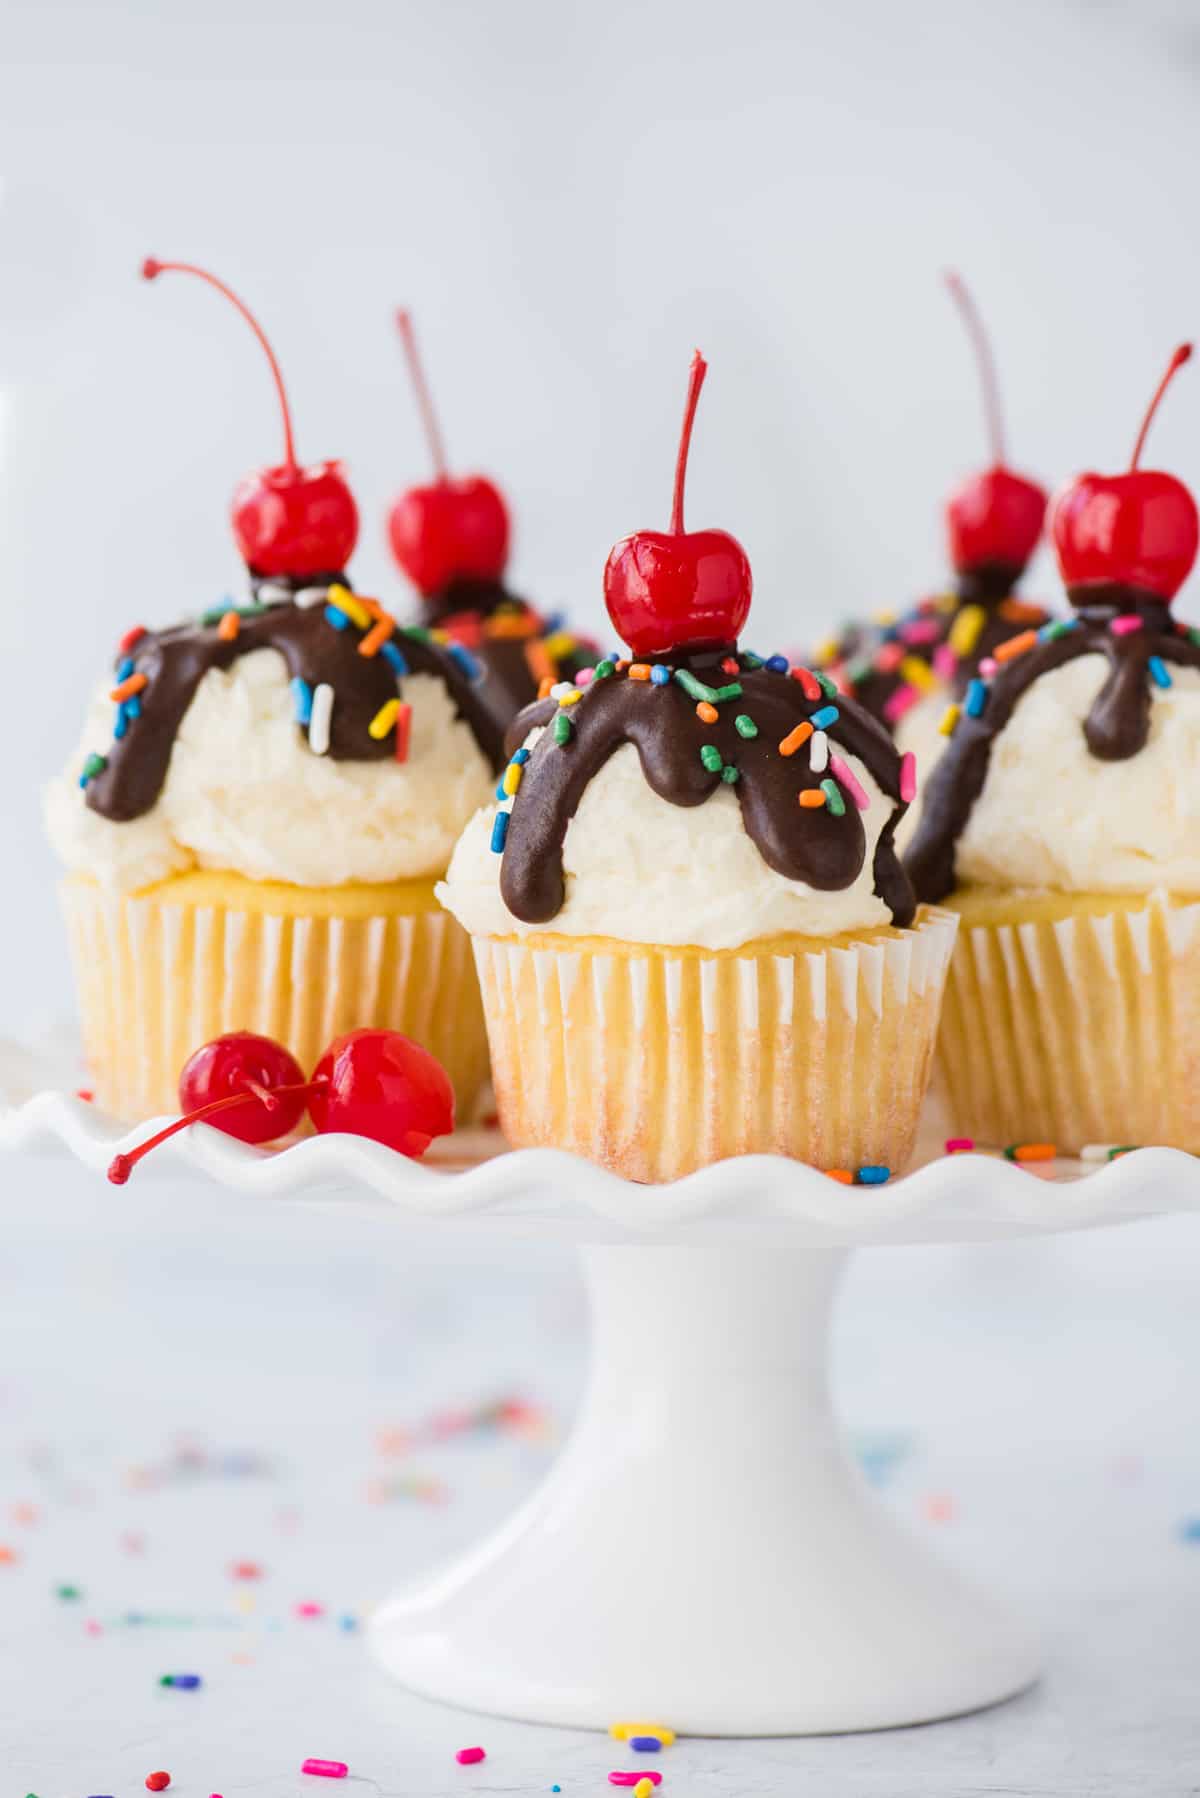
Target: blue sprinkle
[(977, 697), (645, 1744), (1189, 1529), (1159, 671), (499, 833), (500, 793), (184, 1682), (124, 668), (466, 661), (392, 657), (660, 675), (521, 757), (777, 664), (302, 699), (347, 1622), (122, 723), (337, 619), (133, 707), (873, 1176), (827, 715), (553, 623)]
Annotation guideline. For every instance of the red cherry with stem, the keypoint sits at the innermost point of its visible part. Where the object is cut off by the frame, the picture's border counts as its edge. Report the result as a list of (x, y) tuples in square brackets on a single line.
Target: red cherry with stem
[(1137, 530), (678, 589), (994, 520), (289, 522), (249, 1086), (380, 1084), (454, 528)]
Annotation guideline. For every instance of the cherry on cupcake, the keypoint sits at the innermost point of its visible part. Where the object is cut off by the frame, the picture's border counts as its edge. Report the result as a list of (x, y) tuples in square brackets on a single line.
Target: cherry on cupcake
[(678, 589), (994, 519), (1138, 530), (289, 522), (374, 1083), (454, 527)]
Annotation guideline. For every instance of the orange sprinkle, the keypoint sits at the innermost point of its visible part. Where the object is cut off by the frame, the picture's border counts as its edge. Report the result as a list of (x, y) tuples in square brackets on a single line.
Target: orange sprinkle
[(538, 661), (811, 798), (544, 685), (377, 636), (639, 670), (229, 627), (7, 1555), (709, 713), (842, 1175), (1034, 1151), (129, 687), (795, 739), (1020, 611), (621, 664), (511, 624), (1016, 646)]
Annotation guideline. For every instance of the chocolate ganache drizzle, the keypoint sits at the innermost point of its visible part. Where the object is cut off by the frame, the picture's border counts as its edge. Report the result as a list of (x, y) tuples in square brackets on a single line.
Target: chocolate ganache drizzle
[(747, 709), (315, 651), (516, 647), (1132, 630)]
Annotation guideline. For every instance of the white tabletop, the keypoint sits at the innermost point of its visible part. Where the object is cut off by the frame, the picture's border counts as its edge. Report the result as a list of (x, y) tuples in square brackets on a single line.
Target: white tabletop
[(189, 1379)]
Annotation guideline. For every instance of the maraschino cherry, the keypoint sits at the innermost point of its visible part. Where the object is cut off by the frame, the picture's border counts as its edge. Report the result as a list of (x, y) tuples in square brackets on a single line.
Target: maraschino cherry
[(373, 1083), (289, 522), (456, 527), (678, 589), (1136, 531), (994, 520)]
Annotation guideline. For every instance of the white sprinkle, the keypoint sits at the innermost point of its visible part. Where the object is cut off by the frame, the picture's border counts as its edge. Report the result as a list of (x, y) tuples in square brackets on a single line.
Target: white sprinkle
[(1096, 1151), (561, 687), (818, 752), (318, 724), (305, 597), (269, 593)]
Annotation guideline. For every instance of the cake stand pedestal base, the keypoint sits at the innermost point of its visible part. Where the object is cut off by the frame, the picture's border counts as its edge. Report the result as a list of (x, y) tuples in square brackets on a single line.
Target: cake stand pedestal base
[(705, 1552)]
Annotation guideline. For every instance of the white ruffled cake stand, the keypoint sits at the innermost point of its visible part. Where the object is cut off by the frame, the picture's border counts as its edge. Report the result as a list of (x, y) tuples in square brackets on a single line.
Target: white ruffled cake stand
[(705, 1551)]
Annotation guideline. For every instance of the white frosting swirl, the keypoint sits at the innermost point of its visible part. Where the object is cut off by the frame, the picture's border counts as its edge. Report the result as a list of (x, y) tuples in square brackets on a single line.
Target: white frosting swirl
[(245, 793)]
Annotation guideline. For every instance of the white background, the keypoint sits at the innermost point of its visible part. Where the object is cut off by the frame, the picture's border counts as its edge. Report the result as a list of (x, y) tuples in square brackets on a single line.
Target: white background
[(570, 197)]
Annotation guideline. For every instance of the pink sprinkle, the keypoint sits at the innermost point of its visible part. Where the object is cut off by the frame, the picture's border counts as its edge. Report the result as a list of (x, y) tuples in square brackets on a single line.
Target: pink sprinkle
[(959, 1145), (467, 1757), (93, 1628), (585, 677), (908, 777), (309, 1607), (1127, 622), (988, 667), (901, 701), (920, 630), (630, 1779), (842, 773), (945, 662), (327, 1769), (889, 658)]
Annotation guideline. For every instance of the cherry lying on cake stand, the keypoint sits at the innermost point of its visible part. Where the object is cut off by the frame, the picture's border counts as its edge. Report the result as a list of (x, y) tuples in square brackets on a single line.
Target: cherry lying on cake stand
[(705, 1551)]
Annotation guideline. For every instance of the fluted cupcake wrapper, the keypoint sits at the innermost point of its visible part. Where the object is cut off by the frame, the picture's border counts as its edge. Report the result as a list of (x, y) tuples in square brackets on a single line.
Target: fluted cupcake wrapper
[(157, 978), (655, 1061), (1082, 1029)]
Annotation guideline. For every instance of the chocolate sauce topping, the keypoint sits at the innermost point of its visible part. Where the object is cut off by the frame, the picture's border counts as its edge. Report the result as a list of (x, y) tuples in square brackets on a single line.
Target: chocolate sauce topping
[(814, 845), (175, 661), (513, 665), (1115, 729)]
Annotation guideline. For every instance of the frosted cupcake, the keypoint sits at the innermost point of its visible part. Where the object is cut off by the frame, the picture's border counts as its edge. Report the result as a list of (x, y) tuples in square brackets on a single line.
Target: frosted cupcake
[(1063, 825), (693, 933), (451, 538), (260, 805), (905, 669)]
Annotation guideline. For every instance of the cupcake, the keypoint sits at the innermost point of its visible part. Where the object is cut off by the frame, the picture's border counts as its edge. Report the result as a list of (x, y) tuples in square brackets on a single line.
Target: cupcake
[(1062, 825), (693, 933), (905, 669), (450, 537), (261, 803)]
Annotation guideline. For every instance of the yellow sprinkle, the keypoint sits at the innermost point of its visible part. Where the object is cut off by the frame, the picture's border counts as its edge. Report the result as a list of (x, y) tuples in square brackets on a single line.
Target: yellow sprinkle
[(827, 650), (383, 720), (437, 636), (244, 1602), (950, 718), (884, 617), (512, 778), (344, 600), (571, 698), (559, 645), (643, 1789), (621, 1732), (964, 632), (918, 674), (945, 602)]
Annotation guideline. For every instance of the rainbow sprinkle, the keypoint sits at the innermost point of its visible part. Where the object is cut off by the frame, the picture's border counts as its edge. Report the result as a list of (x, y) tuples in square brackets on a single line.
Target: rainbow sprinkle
[(918, 674), (394, 658), (812, 797), (1016, 646), (302, 699), (818, 752), (660, 675), (833, 798), (319, 719), (383, 720), (966, 629), (796, 739), (499, 832), (1126, 624), (959, 1145), (94, 765), (844, 774), (827, 715), (908, 777), (1160, 674), (976, 699), (564, 729), (745, 726), (950, 718), (777, 665), (901, 701), (810, 686), (872, 1176), (340, 599), (711, 756), (1030, 1151)]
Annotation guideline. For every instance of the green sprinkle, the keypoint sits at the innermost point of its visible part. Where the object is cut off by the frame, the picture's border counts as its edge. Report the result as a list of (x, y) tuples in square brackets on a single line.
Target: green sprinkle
[(729, 774), (833, 797), (695, 689), (750, 659), (67, 1592), (710, 755), (732, 691), (604, 669), (1122, 1148), (1057, 628), (95, 764), (564, 730), (215, 614), (827, 686), (1194, 636), (857, 672), (417, 632), (744, 726)]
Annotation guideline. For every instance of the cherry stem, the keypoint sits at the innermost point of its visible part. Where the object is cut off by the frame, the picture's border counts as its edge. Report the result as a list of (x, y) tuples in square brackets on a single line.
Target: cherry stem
[(416, 372), (1182, 354), (152, 268), (696, 374), (961, 294), (121, 1166)]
